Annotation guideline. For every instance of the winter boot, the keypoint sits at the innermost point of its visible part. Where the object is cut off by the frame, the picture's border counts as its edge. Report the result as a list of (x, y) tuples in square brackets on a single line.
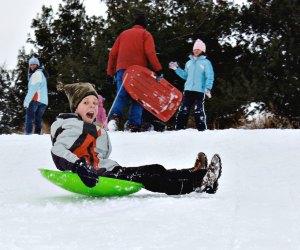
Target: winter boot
[(159, 126), (210, 180), (113, 124), (147, 126), (131, 128), (200, 163)]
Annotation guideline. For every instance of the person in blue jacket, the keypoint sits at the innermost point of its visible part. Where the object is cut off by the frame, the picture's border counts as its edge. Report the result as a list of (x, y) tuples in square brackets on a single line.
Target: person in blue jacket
[(199, 76), (36, 99)]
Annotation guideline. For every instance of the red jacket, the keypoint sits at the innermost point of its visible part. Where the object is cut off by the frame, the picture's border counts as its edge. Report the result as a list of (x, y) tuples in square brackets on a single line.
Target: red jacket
[(134, 46)]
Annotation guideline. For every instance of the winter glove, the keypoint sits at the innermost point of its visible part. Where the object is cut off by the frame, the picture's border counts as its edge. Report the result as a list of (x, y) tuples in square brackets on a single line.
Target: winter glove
[(87, 174), (208, 93), (25, 104), (159, 75), (173, 65), (110, 80)]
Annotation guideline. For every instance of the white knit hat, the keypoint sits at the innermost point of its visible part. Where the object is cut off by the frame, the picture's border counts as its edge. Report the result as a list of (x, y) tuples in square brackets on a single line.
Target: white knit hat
[(199, 45)]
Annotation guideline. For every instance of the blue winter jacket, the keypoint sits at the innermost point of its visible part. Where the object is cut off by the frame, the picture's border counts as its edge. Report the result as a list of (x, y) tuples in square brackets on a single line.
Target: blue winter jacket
[(37, 84), (198, 73)]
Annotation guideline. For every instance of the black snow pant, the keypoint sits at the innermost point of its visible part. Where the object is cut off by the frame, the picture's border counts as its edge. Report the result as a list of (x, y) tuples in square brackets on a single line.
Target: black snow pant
[(156, 178), (189, 99)]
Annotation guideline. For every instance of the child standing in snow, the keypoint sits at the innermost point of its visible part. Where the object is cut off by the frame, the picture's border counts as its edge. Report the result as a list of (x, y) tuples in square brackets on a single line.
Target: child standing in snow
[(199, 76), (82, 147)]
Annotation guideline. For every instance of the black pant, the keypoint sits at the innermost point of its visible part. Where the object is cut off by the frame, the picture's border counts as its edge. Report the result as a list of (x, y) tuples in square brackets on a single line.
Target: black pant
[(189, 99), (156, 178)]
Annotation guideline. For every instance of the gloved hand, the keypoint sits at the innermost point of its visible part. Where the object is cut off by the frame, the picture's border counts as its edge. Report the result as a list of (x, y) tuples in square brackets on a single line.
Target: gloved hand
[(208, 93), (25, 104), (173, 65), (159, 75), (110, 79), (87, 174)]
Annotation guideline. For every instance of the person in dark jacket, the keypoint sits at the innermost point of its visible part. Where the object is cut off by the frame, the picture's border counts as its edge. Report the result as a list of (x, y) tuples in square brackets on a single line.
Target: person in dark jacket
[(80, 146), (134, 46)]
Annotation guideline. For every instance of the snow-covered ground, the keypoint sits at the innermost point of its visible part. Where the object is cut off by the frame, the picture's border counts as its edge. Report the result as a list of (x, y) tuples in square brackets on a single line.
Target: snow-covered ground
[(256, 207)]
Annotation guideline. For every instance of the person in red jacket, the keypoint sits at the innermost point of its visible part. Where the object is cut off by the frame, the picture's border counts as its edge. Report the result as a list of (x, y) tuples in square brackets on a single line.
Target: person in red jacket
[(134, 46)]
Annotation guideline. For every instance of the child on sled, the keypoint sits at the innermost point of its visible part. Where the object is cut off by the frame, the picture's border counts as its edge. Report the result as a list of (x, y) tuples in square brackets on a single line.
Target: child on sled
[(80, 146)]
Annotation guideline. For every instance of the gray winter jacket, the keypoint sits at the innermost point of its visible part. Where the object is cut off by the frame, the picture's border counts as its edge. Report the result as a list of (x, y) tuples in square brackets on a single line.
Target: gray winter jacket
[(72, 138)]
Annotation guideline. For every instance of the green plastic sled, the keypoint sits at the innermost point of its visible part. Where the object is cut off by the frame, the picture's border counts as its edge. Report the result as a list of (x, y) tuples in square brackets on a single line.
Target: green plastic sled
[(106, 187)]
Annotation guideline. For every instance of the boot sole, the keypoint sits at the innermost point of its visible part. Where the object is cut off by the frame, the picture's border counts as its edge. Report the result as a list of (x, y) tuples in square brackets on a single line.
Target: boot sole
[(214, 189)]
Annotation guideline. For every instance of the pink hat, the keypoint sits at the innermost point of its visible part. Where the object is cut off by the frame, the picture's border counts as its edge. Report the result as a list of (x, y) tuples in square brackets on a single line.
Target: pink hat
[(199, 45)]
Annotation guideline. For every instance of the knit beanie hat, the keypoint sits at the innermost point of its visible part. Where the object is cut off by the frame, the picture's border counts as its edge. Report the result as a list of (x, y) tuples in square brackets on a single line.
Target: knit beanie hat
[(199, 45), (76, 92), (141, 20), (34, 60)]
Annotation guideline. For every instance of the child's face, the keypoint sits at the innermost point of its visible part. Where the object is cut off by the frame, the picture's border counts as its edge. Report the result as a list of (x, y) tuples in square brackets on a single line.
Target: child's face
[(197, 52), (88, 108)]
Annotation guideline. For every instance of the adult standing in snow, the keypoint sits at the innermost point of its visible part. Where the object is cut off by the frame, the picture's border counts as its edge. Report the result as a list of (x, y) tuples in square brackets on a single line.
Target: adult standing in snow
[(199, 76), (134, 46), (80, 146), (36, 99)]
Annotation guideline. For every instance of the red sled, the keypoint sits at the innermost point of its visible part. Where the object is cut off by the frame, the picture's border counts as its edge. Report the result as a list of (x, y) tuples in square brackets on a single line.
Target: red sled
[(161, 98)]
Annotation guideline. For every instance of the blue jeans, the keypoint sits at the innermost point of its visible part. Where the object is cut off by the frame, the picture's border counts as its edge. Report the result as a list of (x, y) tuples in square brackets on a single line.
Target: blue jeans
[(196, 99), (136, 110), (34, 113)]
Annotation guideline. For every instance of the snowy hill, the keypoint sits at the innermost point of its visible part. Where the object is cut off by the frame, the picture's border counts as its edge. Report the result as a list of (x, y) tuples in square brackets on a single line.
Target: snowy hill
[(257, 205)]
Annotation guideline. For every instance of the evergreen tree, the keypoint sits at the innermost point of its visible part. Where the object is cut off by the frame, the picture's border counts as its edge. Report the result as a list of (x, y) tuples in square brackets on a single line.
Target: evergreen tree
[(254, 51), (68, 45), (10, 112), (5, 118), (175, 25), (274, 26)]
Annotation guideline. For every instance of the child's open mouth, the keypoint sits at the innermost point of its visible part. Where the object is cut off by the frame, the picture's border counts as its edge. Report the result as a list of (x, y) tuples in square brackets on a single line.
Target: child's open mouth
[(90, 115)]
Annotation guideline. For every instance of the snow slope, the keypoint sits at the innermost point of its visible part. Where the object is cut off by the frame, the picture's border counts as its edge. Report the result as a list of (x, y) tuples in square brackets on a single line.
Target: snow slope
[(257, 205)]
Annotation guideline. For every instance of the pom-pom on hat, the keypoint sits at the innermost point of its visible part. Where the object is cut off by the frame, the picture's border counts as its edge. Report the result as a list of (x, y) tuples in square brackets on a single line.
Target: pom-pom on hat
[(34, 60), (76, 92), (141, 20), (199, 45)]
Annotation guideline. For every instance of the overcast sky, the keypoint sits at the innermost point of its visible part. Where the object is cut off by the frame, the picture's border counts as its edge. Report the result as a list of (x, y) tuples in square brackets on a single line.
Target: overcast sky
[(15, 21)]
